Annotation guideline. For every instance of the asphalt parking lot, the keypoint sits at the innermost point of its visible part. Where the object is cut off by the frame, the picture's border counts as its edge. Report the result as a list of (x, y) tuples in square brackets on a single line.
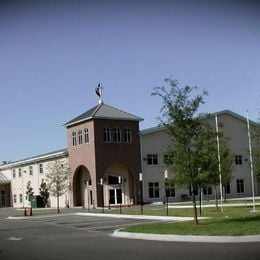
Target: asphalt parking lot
[(86, 237), (88, 223)]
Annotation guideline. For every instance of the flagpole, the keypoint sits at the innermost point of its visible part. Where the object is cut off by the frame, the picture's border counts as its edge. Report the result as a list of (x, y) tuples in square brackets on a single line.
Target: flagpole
[(219, 166), (251, 160)]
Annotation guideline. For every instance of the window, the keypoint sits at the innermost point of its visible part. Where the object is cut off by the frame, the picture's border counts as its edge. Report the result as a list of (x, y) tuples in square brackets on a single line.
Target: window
[(196, 191), (127, 135), (86, 137), (14, 173), (153, 189), (21, 198), (117, 135), (227, 188), (207, 190), (20, 172), (80, 137), (107, 135), (168, 159), (15, 199), (113, 179), (40, 168), (238, 159), (240, 186), (152, 159), (170, 190), (74, 139), (30, 170)]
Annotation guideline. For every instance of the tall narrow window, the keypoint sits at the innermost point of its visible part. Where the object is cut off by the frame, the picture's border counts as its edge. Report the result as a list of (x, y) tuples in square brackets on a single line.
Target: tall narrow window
[(20, 172), (240, 186), (21, 198), (238, 159), (170, 190), (107, 135), (40, 168), (30, 170), (86, 137), (227, 188), (15, 200), (14, 173), (80, 137), (127, 135), (153, 189), (117, 135), (74, 139)]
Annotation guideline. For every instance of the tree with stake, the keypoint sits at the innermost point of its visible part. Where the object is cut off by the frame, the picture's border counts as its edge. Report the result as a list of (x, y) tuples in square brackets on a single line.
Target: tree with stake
[(44, 192), (29, 191), (256, 149), (188, 133), (57, 180)]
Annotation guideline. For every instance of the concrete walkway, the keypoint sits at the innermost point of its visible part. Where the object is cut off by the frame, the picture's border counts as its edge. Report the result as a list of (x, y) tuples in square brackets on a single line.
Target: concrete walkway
[(147, 217)]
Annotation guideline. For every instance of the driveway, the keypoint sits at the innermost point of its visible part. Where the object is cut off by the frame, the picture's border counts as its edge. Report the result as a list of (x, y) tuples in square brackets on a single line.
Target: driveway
[(86, 237)]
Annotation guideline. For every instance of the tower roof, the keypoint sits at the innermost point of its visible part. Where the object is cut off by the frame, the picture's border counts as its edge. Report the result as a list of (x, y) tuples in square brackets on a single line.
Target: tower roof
[(103, 111)]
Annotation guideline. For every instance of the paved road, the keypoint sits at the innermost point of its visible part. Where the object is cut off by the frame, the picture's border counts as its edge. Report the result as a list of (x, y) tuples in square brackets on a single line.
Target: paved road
[(81, 237)]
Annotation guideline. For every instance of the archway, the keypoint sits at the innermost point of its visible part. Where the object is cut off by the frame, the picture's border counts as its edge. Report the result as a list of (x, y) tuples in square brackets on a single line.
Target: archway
[(82, 187)]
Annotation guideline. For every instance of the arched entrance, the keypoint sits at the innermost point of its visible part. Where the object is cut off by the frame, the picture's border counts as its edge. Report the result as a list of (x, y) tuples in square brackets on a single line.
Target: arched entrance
[(118, 185), (82, 188)]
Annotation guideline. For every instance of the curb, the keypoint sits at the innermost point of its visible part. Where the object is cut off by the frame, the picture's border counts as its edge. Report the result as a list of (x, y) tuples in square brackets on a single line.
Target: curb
[(145, 217), (179, 238), (41, 216)]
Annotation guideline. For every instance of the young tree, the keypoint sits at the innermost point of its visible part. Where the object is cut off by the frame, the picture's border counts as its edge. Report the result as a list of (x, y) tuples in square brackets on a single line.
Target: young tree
[(226, 162), (189, 135), (57, 180), (44, 192), (256, 149), (29, 191)]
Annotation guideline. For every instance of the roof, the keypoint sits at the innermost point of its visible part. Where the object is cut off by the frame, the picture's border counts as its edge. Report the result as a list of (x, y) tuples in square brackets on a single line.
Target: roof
[(103, 111), (222, 112), (231, 113), (152, 130), (36, 158), (4, 179)]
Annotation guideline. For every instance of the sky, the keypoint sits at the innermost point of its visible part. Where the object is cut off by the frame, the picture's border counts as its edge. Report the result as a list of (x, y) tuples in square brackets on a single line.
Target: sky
[(54, 53)]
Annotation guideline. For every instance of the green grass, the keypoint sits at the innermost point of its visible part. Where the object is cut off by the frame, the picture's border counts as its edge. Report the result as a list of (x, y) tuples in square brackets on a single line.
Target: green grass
[(232, 222)]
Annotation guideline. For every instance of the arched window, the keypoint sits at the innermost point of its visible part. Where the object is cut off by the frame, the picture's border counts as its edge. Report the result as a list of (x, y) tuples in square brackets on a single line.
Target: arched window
[(127, 135), (86, 137), (107, 135), (117, 135), (80, 137), (74, 139)]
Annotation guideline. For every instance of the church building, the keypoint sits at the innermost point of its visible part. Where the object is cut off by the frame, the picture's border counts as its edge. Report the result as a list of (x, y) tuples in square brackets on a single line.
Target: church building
[(107, 154)]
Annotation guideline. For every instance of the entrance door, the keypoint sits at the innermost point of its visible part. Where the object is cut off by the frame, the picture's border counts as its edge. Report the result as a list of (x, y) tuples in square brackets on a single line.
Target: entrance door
[(115, 196)]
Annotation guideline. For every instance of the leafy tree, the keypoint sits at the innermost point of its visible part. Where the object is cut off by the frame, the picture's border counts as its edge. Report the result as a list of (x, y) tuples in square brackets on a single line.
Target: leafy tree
[(29, 191), (44, 192), (57, 180), (212, 164), (256, 149), (189, 134)]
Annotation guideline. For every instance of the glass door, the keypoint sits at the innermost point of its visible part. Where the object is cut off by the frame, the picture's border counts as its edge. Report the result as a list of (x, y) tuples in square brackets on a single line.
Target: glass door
[(115, 196)]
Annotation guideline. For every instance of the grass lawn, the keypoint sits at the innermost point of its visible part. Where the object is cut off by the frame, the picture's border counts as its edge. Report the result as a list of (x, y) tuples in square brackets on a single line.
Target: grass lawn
[(232, 222)]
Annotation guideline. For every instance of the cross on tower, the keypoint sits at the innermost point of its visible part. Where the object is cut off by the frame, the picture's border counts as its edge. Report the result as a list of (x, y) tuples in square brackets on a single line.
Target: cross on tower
[(99, 92)]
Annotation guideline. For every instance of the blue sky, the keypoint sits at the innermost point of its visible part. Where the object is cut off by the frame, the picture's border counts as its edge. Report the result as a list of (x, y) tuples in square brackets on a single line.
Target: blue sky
[(54, 53)]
